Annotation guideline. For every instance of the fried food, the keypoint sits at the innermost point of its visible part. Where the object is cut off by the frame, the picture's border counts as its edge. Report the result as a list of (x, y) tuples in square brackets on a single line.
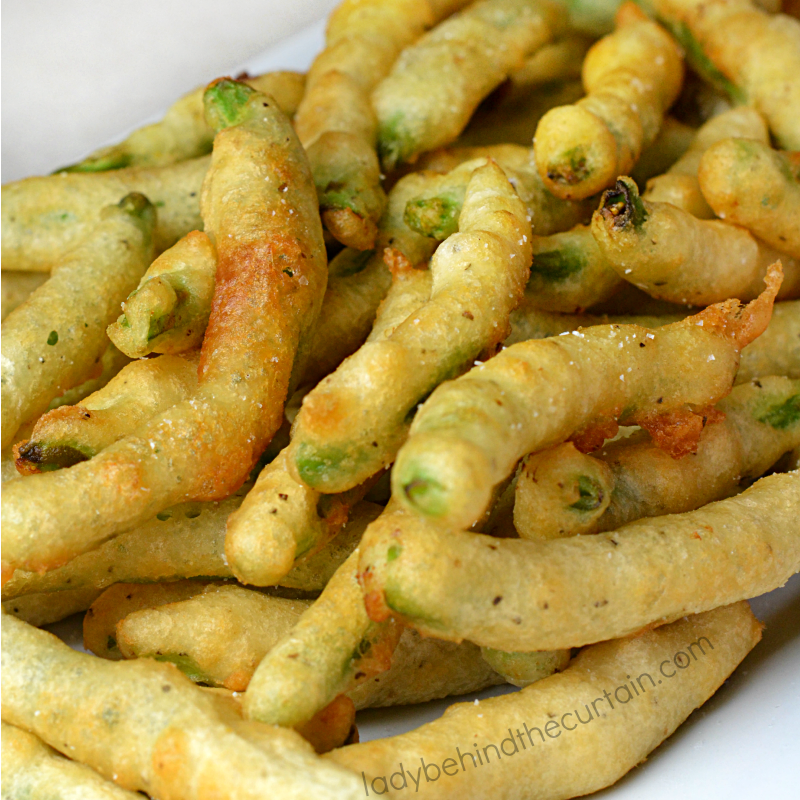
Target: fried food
[(631, 77), (436, 83), (204, 448), (111, 362), (471, 432), (73, 433), (17, 287), (551, 765), (48, 607), (168, 311), (673, 139), (523, 669), (352, 424), (562, 492), (184, 132), (187, 743), (76, 304), (750, 184), (674, 256)]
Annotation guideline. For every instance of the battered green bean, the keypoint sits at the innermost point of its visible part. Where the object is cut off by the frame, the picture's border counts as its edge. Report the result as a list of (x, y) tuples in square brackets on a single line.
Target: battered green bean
[(523, 669), (183, 132), (48, 607), (673, 139), (75, 305), (71, 434), (561, 492), (168, 311), (436, 84), (18, 287), (110, 363), (352, 424), (472, 431), (175, 742), (674, 256), (514, 594)]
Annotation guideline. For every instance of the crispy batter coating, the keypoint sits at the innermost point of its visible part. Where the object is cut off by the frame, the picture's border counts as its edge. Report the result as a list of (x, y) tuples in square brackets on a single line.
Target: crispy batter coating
[(43, 219), (673, 140), (631, 77), (184, 132), (352, 424), (523, 669), (436, 84), (674, 256), (472, 431), (149, 728), (750, 54), (333, 646), (750, 184), (110, 363), (679, 185), (47, 607), (70, 434), (562, 492), (33, 770), (17, 287), (569, 739), (54, 340), (568, 592), (261, 212), (168, 311)]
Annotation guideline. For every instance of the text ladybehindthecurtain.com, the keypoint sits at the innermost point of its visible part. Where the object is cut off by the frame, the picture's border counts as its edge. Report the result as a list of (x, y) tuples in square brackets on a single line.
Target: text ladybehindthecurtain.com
[(482, 756)]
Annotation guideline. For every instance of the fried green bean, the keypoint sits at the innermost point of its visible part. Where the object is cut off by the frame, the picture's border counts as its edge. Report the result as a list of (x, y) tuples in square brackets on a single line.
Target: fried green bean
[(631, 77), (43, 219), (523, 669), (673, 139), (558, 61), (168, 311), (48, 607), (472, 431), (122, 599), (109, 365), (435, 211), (750, 184), (71, 434), (282, 520), (568, 592), (17, 287), (271, 276), (183, 133), (75, 305), (674, 256), (33, 770), (680, 185), (436, 84), (587, 757), (749, 54), (562, 492), (333, 646), (187, 744), (352, 424)]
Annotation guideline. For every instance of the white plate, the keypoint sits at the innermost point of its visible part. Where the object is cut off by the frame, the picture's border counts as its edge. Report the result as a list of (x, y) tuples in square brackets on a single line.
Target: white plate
[(743, 743)]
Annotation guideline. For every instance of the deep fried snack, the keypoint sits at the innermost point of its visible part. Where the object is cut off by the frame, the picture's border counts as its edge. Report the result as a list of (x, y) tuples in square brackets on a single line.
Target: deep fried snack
[(435, 211), (558, 61), (48, 607), (71, 434), (282, 520), (352, 424), (674, 256), (436, 84), (43, 219), (183, 133), (471, 432), (750, 184), (187, 744), (673, 139), (523, 669), (679, 184), (168, 311), (122, 599), (217, 636), (17, 287), (271, 277), (587, 757), (751, 55), (332, 647), (335, 120), (75, 306), (332, 727), (562, 492), (33, 770), (569, 592), (109, 365), (631, 77)]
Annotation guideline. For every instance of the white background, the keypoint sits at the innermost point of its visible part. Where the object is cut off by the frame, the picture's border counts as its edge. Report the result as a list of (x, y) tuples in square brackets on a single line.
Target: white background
[(78, 74)]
